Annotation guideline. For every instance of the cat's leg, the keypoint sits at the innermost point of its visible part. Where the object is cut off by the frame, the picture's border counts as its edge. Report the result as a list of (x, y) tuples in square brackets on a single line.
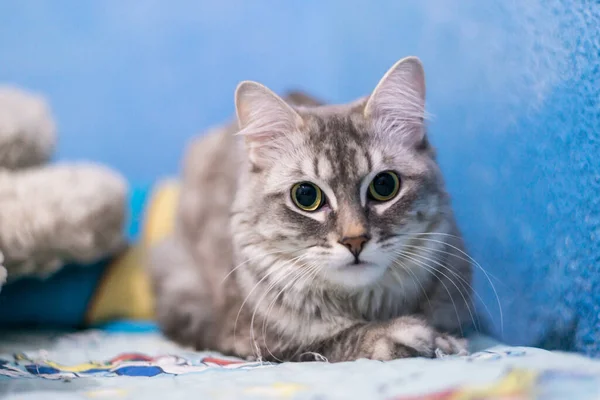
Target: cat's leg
[(400, 338), (183, 303), (190, 270)]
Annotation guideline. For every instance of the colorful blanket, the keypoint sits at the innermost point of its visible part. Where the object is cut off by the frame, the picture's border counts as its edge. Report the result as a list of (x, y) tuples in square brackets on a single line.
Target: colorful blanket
[(96, 365)]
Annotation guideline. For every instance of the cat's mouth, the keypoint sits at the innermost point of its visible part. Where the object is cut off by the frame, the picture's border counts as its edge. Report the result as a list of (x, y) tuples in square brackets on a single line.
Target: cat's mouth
[(359, 264)]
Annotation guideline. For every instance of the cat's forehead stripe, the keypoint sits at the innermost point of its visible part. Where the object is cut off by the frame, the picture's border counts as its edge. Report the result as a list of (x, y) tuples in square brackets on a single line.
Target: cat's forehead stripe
[(324, 167), (340, 149)]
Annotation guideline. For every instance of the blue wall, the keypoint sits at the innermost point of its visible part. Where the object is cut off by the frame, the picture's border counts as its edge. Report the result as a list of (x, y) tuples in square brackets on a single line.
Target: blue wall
[(513, 87)]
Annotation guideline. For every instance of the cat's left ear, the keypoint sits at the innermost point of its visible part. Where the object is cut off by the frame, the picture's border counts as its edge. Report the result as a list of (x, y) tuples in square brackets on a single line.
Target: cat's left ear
[(266, 120), (397, 105)]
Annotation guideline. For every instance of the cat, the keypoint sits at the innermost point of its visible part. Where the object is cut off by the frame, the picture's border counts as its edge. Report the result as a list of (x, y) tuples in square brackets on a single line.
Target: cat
[(316, 232)]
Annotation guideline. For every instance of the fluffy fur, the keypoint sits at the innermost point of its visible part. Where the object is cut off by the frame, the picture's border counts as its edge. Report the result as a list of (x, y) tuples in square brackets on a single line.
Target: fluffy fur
[(27, 130), (58, 214), (51, 214), (248, 273)]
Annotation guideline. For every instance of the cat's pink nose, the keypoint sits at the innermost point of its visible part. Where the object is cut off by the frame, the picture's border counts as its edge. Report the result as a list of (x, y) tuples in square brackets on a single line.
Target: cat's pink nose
[(355, 244)]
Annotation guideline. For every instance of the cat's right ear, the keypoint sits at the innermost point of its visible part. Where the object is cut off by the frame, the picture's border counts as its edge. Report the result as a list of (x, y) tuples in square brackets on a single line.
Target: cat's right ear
[(397, 105), (265, 120)]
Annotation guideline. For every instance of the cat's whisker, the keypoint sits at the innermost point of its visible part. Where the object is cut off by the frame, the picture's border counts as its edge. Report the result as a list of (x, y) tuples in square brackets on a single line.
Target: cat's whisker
[(414, 276), (469, 287), (296, 271), (430, 233), (474, 262), (313, 272), (298, 276), (262, 255), (467, 303), (431, 271), (289, 267), (463, 290), (461, 279), (468, 258), (441, 251), (248, 297), (303, 272)]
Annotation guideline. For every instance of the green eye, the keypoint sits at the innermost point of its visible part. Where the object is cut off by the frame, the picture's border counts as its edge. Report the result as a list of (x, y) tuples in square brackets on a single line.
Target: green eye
[(307, 196), (385, 186)]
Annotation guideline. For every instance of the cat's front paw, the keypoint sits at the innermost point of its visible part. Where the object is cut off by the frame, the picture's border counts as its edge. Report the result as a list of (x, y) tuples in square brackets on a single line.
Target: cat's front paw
[(412, 337)]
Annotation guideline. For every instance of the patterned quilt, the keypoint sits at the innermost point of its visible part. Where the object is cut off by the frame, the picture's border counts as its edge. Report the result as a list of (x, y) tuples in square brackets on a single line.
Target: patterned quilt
[(101, 365)]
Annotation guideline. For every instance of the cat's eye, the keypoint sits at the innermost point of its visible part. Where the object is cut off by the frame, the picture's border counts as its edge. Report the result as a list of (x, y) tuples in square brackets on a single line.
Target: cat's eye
[(385, 186), (307, 196)]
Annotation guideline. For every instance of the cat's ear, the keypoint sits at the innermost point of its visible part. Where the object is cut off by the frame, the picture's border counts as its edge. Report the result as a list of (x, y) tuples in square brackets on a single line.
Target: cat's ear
[(397, 105), (266, 121)]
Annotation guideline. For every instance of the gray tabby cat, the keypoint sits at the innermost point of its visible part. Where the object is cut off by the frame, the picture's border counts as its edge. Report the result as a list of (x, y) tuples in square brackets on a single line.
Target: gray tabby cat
[(311, 231)]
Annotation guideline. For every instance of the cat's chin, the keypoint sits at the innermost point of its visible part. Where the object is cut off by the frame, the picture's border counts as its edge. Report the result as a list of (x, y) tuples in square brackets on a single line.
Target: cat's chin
[(354, 276)]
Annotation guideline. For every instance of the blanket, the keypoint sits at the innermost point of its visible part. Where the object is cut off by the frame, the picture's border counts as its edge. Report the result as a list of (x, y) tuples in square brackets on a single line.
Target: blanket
[(100, 364)]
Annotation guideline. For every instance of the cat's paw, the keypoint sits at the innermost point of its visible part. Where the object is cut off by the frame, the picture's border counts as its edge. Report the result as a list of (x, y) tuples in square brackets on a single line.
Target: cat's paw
[(412, 337), (450, 345)]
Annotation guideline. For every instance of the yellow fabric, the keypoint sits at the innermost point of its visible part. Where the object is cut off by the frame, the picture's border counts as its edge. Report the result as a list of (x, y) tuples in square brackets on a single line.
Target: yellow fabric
[(160, 217), (516, 384), (125, 291)]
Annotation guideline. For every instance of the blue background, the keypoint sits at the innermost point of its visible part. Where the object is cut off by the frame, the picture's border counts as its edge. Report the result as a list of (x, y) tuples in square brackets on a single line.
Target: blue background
[(513, 88)]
